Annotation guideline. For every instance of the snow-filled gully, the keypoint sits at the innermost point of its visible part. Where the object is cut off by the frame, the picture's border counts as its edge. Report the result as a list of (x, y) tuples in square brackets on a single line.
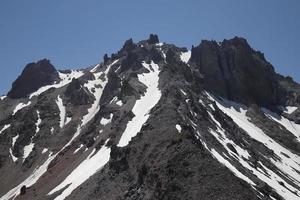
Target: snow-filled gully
[(28, 148), (143, 105), (285, 165)]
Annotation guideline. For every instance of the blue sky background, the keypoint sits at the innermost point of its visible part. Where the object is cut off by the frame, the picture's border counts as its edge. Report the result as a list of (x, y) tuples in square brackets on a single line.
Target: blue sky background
[(76, 33)]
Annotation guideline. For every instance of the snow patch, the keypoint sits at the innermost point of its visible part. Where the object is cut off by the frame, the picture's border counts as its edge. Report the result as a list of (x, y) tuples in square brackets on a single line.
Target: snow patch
[(27, 150), (184, 93), (289, 109), (14, 139), (291, 126), (62, 111), (65, 79), (44, 150), (143, 105), (21, 106), (185, 56), (6, 126), (92, 164), (76, 150), (178, 127), (2, 98), (105, 121), (38, 122), (119, 103), (68, 119), (95, 68), (52, 130)]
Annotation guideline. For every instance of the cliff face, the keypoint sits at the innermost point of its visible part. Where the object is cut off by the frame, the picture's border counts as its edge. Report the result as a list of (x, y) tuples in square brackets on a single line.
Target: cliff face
[(153, 121), (34, 76), (236, 71)]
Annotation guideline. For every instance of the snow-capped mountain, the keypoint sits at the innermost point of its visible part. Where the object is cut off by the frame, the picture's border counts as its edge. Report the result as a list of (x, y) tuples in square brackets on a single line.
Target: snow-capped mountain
[(153, 121)]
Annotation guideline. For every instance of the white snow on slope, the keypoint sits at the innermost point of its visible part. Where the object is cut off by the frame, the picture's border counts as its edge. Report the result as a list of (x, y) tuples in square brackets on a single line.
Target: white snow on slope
[(92, 164), (289, 109), (289, 125), (286, 165), (116, 101), (62, 111), (94, 84), (95, 68), (2, 98), (28, 148), (143, 105), (14, 139), (225, 162), (105, 121), (65, 79), (178, 127), (93, 110), (21, 106), (6, 126), (185, 56), (76, 150), (183, 92), (68, 119), (32, 179), (119, 103), (44, 150), (38, 122)]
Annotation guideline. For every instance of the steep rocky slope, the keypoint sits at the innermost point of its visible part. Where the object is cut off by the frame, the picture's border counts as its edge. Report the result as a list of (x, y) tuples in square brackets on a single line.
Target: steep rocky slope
[(153, 121)]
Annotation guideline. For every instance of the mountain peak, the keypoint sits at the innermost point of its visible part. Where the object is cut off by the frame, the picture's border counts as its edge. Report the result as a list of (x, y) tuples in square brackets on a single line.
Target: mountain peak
[(34, 76), (153, 121), (153, 39)]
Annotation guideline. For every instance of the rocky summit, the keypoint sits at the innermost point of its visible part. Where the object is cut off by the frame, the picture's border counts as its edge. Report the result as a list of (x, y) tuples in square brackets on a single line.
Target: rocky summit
[(153, 121)]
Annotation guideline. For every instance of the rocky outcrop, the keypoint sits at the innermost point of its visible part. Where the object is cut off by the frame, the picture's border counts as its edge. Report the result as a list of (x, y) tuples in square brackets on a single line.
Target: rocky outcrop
[(234, 70), (78, 94), (34, 76), (153, 39)]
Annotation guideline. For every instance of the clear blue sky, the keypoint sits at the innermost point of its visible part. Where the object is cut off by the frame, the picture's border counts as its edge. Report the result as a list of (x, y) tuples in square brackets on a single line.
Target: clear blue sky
[(74, 34)]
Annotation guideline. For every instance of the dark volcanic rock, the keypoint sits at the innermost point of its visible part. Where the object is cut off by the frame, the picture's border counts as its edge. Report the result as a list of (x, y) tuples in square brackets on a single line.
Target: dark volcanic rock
[(34, 76), (234, 70), (78, 94), (153, 39), (128, 45)]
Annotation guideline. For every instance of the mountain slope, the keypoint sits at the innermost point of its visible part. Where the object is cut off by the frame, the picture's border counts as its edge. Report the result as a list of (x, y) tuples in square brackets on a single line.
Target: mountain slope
[(154, 121)]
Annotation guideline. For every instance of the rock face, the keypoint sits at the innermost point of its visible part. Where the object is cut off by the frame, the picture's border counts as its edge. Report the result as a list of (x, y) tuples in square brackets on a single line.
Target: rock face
[(34, 76), (216, 122), (234, 70), (77, 94)]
